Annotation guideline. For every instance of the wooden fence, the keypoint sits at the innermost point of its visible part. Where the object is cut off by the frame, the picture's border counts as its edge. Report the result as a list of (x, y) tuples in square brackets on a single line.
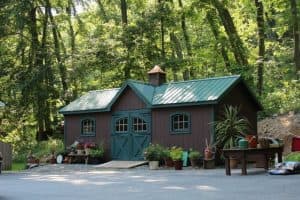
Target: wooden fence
[(6, 151)]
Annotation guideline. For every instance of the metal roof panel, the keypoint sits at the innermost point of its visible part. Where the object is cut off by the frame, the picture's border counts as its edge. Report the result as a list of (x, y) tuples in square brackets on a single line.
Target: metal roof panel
[(93, 100), (202, 90)]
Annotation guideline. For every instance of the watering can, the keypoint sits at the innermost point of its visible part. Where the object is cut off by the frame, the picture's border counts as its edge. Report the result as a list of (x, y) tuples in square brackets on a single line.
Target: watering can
[(243, 143)]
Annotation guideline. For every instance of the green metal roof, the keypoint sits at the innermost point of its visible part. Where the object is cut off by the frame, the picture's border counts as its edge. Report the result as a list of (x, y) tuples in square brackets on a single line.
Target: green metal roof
[(93, 101), (144, 89), (195, 92)]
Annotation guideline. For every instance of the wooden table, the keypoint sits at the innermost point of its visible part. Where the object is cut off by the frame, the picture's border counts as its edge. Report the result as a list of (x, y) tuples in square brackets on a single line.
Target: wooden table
[(243, 154)]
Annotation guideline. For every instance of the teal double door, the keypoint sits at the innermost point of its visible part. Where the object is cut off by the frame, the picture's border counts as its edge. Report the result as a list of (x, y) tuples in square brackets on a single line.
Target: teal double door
[(131, 134)]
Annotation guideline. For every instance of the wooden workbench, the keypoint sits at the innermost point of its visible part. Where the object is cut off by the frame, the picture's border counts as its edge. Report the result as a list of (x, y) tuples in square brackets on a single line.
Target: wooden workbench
[(243, 154)]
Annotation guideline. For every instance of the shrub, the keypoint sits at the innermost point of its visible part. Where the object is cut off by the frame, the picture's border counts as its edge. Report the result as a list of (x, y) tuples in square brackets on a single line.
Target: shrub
[(176, 153), (153, 152), (166, 153), (194, 155), (97, 152)]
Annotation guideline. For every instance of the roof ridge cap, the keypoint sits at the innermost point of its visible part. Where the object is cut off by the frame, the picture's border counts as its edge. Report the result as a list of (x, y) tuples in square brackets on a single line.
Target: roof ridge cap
[(203, 79), (101, 90), (141, 82)]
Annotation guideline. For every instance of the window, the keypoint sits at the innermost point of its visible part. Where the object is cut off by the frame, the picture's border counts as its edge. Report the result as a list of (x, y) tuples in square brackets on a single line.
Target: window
[(122, 125), (139, 125), (88, 127), (180, 123)]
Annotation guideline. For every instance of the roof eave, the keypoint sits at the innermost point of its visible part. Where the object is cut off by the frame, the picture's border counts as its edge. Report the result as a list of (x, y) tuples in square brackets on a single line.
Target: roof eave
[(83, 111)]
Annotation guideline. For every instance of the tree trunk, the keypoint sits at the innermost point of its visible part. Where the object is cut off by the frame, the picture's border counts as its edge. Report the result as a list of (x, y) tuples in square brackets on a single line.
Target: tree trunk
[(176, 48), (296, 36), (124, 12), (234, 39), (72, 36), (102, 10), (62, 68), (71, 29), (261, 44), (187, 73), (36, 60), (124, 23), (184, 30), (215, 30), (162, 30)]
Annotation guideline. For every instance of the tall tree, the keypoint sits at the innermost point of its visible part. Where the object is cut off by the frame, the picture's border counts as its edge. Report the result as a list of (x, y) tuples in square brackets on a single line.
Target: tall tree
[(295, 24), (234, 39), (213, 24), (261, 44), (187, 72), (125, 24), (161, 7), (60, 62)]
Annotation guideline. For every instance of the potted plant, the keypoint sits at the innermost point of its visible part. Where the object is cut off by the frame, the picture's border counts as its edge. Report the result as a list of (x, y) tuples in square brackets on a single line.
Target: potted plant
[(167, 157), (230, 128), (96, 155), (194, 157), (153, 153), (80, 148), (88, 146), (208, 151), (176, 155)]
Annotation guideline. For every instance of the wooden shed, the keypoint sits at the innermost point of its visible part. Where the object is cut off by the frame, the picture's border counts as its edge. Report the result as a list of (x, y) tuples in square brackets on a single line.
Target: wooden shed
[(127, 119)]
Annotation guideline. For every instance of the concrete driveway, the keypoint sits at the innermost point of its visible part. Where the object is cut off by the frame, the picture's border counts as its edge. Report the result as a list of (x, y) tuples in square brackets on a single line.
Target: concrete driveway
[(87, 182)]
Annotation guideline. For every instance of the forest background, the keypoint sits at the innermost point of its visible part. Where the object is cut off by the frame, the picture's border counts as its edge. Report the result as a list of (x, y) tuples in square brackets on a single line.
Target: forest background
[(53, 51)]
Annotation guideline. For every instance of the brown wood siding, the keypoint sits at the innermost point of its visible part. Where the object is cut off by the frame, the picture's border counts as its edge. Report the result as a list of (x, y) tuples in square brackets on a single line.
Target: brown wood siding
[(201, 116), (73, 128), (239, 96), (128, 101), (6, 151)]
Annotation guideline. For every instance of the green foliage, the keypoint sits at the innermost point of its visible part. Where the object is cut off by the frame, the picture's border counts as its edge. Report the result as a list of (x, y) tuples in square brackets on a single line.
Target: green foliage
[(176, 153), (230, 128), (166, 153), (97, 152), (294, 156), (18, 166), (193, 154), (40, 149), (153, 152)]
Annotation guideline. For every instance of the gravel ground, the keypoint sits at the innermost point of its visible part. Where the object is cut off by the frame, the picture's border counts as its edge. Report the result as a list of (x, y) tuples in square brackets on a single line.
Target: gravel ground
[(89, 182)]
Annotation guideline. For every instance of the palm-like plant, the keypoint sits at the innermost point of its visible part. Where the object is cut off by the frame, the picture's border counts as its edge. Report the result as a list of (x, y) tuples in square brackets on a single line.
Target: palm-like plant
[(230, 128)]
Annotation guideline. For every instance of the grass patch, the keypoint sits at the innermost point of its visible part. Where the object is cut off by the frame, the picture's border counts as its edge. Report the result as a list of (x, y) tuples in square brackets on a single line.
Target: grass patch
[(294, 156), (18, 166)]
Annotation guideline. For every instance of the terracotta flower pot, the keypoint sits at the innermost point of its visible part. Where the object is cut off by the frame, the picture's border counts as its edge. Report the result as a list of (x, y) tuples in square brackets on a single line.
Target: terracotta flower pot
[(169, 162), (233, 163), (208, 154), (178, 164)]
